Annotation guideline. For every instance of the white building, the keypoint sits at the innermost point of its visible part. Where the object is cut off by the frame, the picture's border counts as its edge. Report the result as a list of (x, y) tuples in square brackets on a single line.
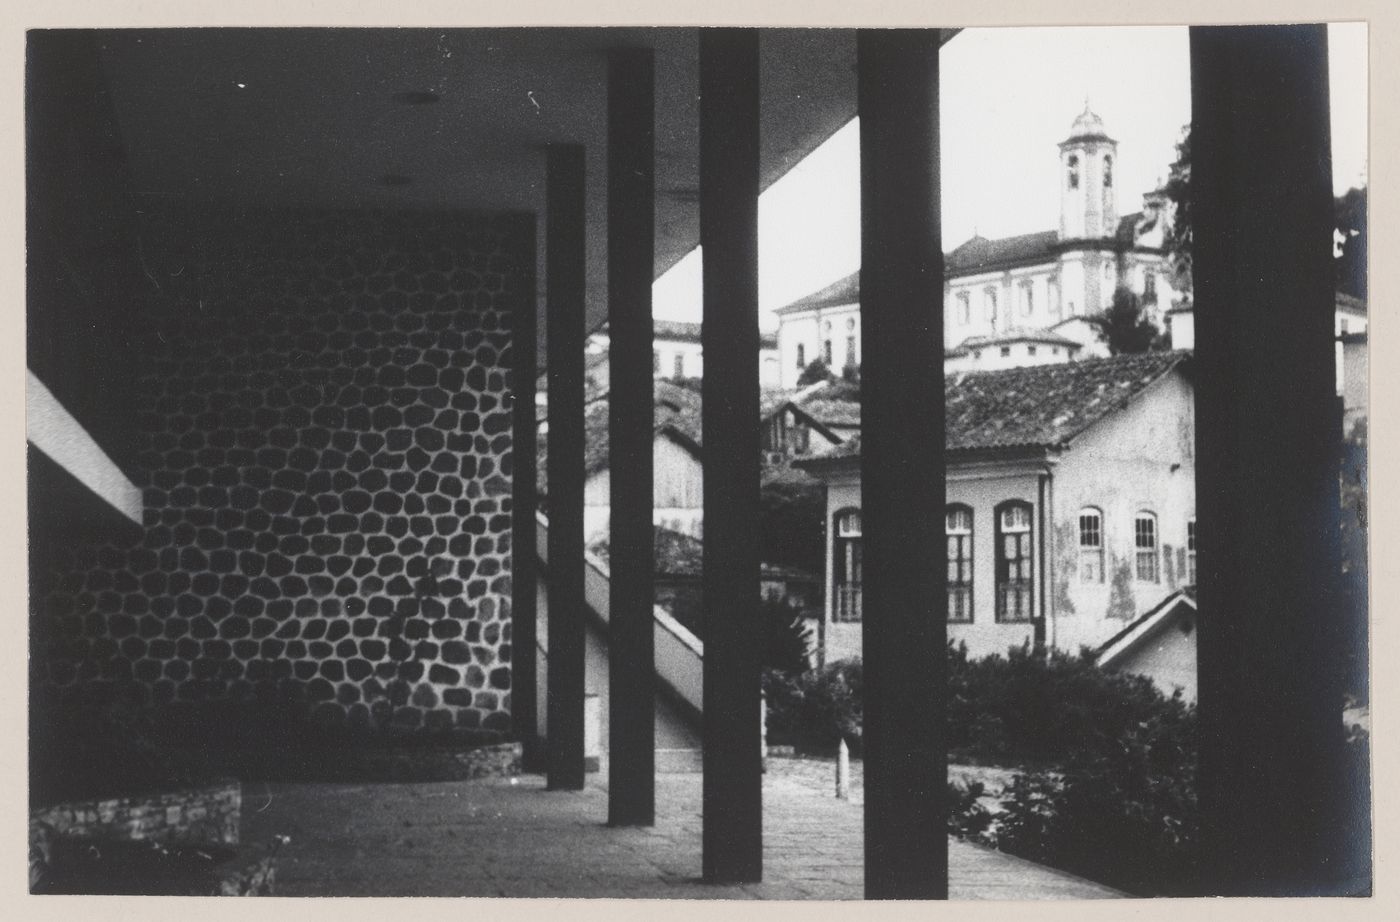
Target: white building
[(1030, 284), (676, 351)]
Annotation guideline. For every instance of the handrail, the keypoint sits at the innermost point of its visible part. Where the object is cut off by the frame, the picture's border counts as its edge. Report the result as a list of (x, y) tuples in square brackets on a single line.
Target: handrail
[(679, 654)]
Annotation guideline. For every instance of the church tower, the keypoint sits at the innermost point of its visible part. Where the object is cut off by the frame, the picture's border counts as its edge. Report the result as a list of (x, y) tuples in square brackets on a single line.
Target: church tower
[(1088, 205)]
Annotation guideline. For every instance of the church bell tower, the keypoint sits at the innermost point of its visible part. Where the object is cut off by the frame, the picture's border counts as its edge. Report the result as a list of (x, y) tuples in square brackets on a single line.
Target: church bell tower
[(1088, 205)]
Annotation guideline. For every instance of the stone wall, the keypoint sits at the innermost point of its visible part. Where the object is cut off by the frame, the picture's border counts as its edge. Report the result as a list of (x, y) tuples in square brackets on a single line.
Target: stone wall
[(326, 459), (207, 814)]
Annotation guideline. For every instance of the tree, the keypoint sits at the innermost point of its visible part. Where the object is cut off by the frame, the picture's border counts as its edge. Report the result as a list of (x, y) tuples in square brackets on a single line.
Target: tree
[(1350, 218), (1351, 226), (1125, 327), (815, 371), (1178, 234), (787, 639)]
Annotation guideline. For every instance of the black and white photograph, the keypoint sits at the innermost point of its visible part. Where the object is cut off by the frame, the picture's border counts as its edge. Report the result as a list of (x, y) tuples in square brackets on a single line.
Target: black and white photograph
[(482, 461)]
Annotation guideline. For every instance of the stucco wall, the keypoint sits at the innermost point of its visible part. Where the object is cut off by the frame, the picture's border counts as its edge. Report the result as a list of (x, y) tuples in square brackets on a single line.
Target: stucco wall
[(983, 490), (1167, 657), (1141, 459), (325, 457), (807, 328)]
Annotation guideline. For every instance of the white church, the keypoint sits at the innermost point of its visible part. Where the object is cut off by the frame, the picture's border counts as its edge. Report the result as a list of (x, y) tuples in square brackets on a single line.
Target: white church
[(1020, 300)]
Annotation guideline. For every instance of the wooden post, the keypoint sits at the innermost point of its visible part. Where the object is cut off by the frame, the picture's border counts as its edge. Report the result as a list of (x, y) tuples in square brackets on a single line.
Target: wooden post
[(902, 467), (564, 292), (733, 806), (631, 682), (843, 771), (1268, 508)]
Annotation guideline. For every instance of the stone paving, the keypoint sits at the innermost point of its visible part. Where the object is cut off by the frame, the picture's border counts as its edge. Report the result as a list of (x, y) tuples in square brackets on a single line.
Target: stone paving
[(511, 837)]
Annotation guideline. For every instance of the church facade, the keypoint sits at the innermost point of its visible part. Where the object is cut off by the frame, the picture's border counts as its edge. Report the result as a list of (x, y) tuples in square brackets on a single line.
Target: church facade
[(1017, 300)]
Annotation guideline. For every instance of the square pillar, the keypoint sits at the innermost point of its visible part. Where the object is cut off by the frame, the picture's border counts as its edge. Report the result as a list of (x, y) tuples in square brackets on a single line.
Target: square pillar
[(1272, 796), (524, 704), (631, 248), (564, 294), (733, 801), (904, 630)]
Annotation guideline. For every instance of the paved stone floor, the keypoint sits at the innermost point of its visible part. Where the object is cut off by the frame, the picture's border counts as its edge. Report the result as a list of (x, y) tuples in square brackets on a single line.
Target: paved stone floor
[(513, 838)]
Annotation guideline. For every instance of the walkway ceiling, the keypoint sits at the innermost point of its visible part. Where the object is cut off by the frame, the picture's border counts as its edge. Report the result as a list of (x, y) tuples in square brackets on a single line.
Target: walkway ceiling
[(441, 119)]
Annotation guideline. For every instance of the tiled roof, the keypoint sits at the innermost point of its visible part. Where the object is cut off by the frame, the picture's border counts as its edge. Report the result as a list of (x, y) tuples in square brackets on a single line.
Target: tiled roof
[(1350, 303), (1014, 336), (982, 255), (841, 291), (668, 329), (1043, 406), (834, 412), (979, 254), (677, 412)]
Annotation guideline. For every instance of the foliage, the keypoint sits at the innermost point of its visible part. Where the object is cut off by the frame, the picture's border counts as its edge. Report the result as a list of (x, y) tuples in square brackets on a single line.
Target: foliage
[(815, 371), (1125, 327), (1350, 213), (786, 638), (1178, 236), (1122, 814), (792, 520), (967, 818), (1043, 707), (851, 373), (817, 709)]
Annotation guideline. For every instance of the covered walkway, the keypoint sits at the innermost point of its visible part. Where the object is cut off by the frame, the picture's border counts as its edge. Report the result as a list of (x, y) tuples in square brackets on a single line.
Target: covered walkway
[(512, 838)]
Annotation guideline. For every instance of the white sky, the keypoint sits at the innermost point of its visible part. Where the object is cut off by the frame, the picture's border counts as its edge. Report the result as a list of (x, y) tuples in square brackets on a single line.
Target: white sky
[(1007, 99)]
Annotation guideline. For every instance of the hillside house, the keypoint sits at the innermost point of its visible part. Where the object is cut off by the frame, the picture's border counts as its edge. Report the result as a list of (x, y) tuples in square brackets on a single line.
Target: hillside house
[(1071, 504)]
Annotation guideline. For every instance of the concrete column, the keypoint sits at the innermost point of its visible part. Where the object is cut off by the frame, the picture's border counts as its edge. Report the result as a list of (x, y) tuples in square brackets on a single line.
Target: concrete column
[(524, 704), (631, 248), (564, 293), (729, 151), (1272, 799), (904, 632)]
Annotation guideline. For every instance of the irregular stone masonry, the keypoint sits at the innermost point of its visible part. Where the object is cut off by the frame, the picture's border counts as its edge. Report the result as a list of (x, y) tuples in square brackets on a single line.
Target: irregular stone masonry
[(326, 466), (207, 814)]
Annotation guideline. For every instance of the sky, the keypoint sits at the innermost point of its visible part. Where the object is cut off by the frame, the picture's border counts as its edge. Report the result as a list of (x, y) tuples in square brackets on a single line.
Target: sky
[(1007, 98)]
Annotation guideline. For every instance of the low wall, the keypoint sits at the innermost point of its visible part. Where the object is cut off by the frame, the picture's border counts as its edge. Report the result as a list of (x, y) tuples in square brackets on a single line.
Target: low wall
[(201, 815)]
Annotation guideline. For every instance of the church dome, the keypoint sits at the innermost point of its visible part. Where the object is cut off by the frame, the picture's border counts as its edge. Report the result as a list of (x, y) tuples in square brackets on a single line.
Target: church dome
[(1088, 126)]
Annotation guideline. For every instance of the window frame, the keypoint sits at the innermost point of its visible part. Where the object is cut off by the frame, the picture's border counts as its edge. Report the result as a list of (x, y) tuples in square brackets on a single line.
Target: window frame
[(1023, 585), (1072, 164), (1147, 557), (678, 366), (802, 356), (961, 590), (1191, 551), (1091, 552), (847, 555)]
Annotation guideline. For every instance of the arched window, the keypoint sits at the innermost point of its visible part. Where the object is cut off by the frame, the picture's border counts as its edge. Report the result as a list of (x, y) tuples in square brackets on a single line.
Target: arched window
[(958, 538), (826, 351), (846, 566), (1145, 547), (964, 308), (1073, 171), (989, 298), (1014, 570), (801, 355), (1090, 545), (1108, 171), (1191, 551), (850, 323), (1027, 298)]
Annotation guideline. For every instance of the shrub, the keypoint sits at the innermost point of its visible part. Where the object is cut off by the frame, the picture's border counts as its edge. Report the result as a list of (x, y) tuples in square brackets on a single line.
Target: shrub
[(1124, 815), (1037, 707), (786, 638), (967, 818), (817, 709)]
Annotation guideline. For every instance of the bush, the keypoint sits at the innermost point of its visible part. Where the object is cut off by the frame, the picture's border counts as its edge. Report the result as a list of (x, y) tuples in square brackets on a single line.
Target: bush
[(817, 709), (786, 638), (967, 818), (1124, 815), (1040, 708)]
